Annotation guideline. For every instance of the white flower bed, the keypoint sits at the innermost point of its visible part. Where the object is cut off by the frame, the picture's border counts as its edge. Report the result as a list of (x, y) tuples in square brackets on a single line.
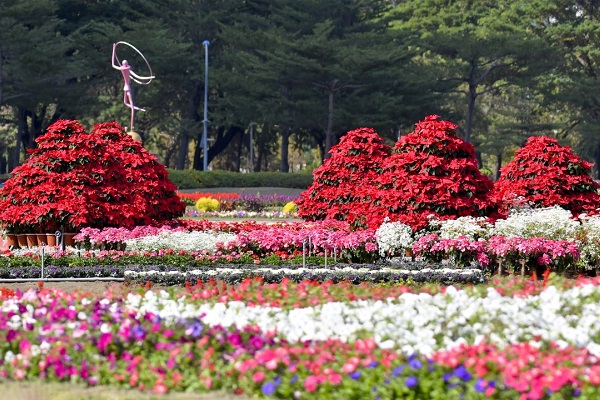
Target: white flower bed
[(470, 227), (413, 322), (188, 241), (553, 223)]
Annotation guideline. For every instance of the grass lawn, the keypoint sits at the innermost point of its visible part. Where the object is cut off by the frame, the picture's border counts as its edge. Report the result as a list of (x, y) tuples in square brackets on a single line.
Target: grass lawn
[(65, 391)]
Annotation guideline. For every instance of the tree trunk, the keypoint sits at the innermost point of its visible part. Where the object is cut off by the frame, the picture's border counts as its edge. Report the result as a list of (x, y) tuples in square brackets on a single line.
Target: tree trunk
[(220, 144), (472, 96), (260, 148), (1, 81), (22, 134), (597, 163), (498, 165), (183, 151), (285, 145), (238, 157), (329, 139), (198, 163), (169, 153)]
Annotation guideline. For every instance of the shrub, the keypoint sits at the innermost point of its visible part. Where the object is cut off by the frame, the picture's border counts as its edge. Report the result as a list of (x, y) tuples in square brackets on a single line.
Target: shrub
[(344, 187), (192, 179), (207, 204), (543, 174), (186, 179), (76, 179), (433, 173)]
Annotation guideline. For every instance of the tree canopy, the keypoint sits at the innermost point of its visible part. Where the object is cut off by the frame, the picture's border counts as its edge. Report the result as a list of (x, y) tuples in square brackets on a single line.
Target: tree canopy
[(301, 74)]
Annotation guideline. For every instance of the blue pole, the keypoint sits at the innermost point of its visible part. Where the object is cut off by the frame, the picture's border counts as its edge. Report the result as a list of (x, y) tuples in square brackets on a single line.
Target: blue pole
[(205, 121)]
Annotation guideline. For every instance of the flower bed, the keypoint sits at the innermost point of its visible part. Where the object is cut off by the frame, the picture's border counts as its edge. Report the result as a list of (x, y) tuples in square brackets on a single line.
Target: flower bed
[(335, 273), (394, 348)]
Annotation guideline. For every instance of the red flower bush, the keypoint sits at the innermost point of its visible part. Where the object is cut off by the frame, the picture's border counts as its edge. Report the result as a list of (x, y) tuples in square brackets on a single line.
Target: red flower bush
[(433, 172), (99, 179), (543, 174), (344, 187)]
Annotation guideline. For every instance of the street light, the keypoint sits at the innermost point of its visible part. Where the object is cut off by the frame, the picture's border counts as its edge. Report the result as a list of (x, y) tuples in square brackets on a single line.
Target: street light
[(252, 125), (205, 120)]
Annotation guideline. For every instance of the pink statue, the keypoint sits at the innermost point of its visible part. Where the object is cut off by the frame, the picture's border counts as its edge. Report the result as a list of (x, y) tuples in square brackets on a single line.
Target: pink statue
[(128, 76)]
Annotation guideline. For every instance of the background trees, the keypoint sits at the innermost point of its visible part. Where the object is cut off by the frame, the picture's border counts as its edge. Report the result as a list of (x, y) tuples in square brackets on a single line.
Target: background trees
[(303, 73)]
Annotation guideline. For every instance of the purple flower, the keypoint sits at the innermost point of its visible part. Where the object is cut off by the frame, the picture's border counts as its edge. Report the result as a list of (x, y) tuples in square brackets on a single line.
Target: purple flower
[(268, 388), (461, 373), (194, 330), (411, 381), (415, 363), (138, 333), (398, 370), (355, 375), (480, 385)]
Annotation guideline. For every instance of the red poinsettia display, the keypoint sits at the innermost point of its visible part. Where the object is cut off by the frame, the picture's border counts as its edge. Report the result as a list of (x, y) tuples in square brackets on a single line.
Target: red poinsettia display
[(344, 187), (433, 172), (99, 179), (542, 174)]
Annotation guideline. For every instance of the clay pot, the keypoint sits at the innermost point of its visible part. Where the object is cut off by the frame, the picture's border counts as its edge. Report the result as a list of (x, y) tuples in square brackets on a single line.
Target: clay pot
[(22, 240), (31, 240), (51, 239), (11, 240), (41, 239), (68, 239)]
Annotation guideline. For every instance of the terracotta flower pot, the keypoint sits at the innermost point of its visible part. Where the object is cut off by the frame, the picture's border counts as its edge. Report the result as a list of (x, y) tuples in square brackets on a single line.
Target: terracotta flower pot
[(31, 240), (68, 239), (22, 240), (50, 239), (11, 240), (41, 239)]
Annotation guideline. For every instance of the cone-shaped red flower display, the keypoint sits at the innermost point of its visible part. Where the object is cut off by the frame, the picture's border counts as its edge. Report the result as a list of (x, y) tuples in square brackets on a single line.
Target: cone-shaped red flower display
[(344, 187), (77, 179), (433, 172), (542, 174)]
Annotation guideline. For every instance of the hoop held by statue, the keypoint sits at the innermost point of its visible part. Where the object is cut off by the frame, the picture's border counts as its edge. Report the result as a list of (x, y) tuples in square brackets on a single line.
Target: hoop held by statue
[(143, 58)]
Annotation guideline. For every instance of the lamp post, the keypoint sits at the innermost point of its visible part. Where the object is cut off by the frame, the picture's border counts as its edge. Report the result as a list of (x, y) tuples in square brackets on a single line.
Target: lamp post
[(252, 125), (205, 121)]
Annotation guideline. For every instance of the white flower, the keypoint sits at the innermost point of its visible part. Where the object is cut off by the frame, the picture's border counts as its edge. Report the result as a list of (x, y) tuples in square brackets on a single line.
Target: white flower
[(177, 240), (471, 227), (552, 222), (393, 238)]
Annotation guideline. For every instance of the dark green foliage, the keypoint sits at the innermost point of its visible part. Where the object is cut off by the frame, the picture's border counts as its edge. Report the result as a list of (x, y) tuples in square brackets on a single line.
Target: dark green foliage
[(192, 179)]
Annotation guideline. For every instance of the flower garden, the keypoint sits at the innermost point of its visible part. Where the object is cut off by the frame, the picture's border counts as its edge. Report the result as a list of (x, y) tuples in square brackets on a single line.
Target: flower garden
[(410, 276)]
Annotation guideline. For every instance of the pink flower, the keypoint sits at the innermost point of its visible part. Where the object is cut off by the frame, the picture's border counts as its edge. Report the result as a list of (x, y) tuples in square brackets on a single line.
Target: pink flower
[(311, 383), (258, 376), (160, 387)]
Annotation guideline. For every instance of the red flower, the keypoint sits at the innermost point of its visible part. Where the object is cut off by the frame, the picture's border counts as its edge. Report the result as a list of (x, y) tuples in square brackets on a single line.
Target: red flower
[(98, 179), (543, 174)]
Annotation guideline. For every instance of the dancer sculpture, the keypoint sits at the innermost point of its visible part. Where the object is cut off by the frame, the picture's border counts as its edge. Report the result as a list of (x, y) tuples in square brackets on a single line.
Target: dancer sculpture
[(128, 76)]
